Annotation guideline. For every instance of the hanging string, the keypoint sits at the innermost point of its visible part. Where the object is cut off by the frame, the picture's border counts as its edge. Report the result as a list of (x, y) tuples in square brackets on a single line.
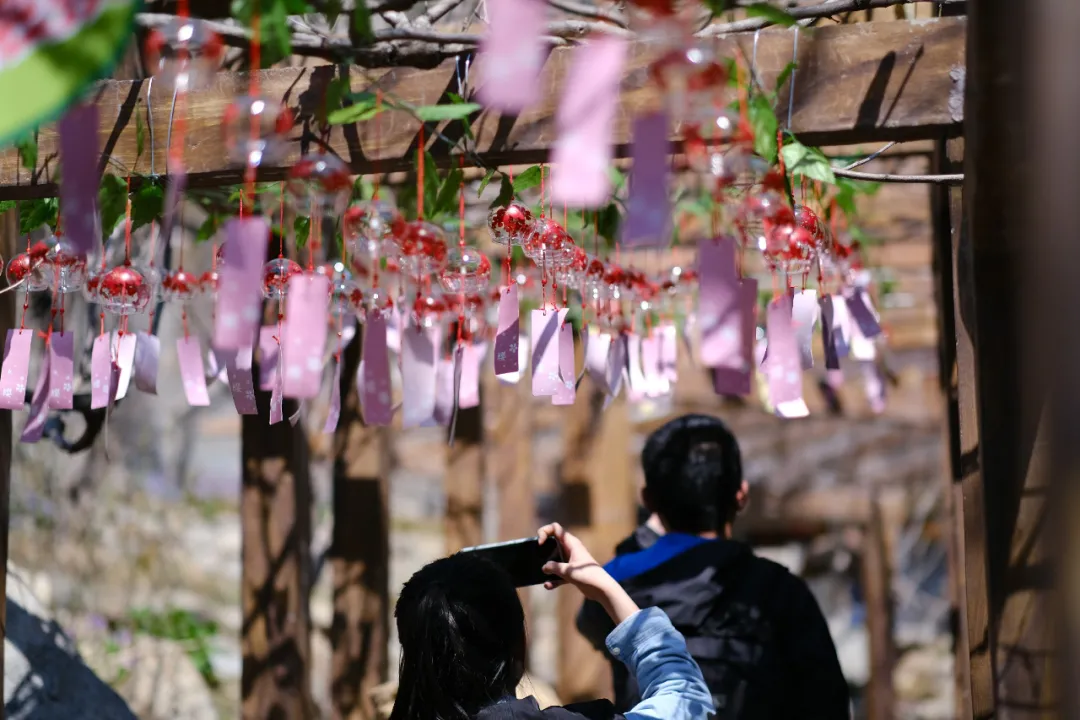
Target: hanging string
[(461, 246), (127, 225), (542, 189), (255, 58), (377, 122), (281, 222), (420, 175)]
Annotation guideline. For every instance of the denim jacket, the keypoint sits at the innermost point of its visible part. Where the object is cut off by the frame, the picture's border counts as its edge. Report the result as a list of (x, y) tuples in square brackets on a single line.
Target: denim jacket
[(672, 687)]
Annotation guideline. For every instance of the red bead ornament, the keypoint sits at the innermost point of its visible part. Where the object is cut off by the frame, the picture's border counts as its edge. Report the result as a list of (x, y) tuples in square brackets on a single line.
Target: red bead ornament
[(208, 283), (427, 310), (64, 266), (27, 268), (510, 225), (545, 241), (124, 291), (422, 248), (180, 286), (276, 276)]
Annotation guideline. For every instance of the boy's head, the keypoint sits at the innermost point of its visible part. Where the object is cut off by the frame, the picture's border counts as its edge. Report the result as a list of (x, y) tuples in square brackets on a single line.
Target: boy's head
[(693, 474)]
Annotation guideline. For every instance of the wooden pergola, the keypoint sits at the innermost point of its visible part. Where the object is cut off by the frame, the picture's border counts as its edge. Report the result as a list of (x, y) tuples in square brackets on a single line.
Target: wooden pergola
[(951, 80)]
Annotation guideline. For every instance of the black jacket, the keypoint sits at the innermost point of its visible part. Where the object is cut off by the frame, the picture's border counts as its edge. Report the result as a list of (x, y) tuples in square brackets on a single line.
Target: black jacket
[(755, 629), (527, 709)]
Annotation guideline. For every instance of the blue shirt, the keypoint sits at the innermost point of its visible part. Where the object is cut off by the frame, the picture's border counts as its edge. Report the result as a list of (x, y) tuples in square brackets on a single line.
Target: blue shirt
[(624, 567), (671, 684)]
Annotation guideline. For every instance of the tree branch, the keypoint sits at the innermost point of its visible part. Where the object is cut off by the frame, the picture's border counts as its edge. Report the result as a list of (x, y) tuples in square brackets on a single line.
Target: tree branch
[(590, 11), (957, 179), (807, 12)]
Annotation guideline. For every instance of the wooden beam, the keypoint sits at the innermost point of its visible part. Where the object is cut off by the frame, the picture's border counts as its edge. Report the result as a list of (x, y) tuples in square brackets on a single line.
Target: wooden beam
[(877, 585), (856, 83), (275, 516), (464, 481), (359, 553)]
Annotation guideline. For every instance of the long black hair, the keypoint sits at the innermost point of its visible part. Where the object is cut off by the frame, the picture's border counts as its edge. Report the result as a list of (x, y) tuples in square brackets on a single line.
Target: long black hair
[(462, 635)]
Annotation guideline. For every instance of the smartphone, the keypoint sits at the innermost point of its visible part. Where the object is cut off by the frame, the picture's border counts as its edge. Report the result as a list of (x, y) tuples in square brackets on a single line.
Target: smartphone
[(522, 559)]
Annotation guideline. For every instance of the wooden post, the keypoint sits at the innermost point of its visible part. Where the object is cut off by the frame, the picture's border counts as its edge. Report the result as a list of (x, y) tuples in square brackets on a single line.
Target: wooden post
[(876, 581), (359, 553), (599, 504), (9, 235), (275, 514), (465, 481)]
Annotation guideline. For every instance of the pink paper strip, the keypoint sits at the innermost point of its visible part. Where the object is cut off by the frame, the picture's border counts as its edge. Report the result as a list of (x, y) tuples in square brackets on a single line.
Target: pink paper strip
[(655, 382), (566, 394), (804, 314), (444, 390), (507, 332), (738, 380), (472, 358), (394, 323), (61, 370), (277, 402), (147, 357), (374, 375), (79, 176), (305, 334), (875, 387), (719, 314), (239, 297), (669, 353), (39, 408), (333, 415), (512, 54), (782, 364), (189, 353), (101, 370), (544, 341), (648, 214), (241, 382), (418, 374), (581, 158), (617, 365), (597, 350), (124, 355), (635, 386), (842, 326), (16, 368), (269, 351)]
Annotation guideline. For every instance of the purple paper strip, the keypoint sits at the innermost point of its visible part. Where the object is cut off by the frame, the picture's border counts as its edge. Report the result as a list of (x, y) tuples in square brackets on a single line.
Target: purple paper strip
[(581, 158), (635, 386), (842, 326), (61, 370), (39, 407), (189, 353), (862, 311), (669, 353), (444, 390), (616, 364), (147, 356), (719, 314), (596, 357), (648, 215), (16, 369), (804, 312), (512, 54), (875, 387), (241, 381), (124, 356), (101, 371), (418, 370), (239, 297), (305, 334), (507, 332), (334, 413), (472, 358), (828, 335), (544, 341), (79, 176), (738, 380), (269, 350), (782, 367), (566, 393), (374, 375)]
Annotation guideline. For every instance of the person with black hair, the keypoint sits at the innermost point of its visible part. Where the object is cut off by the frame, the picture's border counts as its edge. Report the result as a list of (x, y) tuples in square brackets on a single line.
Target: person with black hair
[(463, 644), (755, 629)]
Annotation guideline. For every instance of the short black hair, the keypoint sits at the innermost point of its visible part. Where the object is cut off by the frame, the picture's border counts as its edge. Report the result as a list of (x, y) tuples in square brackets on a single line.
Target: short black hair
[(693, 472)]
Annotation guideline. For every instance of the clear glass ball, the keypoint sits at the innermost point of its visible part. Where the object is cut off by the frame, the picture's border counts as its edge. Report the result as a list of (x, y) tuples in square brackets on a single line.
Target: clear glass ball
[(342, 288), (64, 266), (693, 80), (276, 276), (180, 286), (92, 287), (545, 239), (510, 225), (153, 279), (427, 310), (422, 248), (256, 131), (208, 283), (366, 302), (124, 291), (184, 54), (366, 225), (29, 270), (467, 270), (318, 184)]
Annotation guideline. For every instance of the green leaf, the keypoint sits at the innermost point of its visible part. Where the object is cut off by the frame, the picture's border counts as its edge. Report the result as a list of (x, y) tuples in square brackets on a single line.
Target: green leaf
[(28, 151), (793, 153), (147, 204), (527, 179), (785, 74), (336, 90), (35, 213), (140, 135), (814, 166), (364, 106), (764, 124), (6, 205), (506, 193), (332, 10), (608, 221), (447, 199), (431, 185), (361, 24), (484, 183), (618, 178), (209, 228), (302, 229), (717, 7), (435, 113), (770, 13), (112, 202)]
